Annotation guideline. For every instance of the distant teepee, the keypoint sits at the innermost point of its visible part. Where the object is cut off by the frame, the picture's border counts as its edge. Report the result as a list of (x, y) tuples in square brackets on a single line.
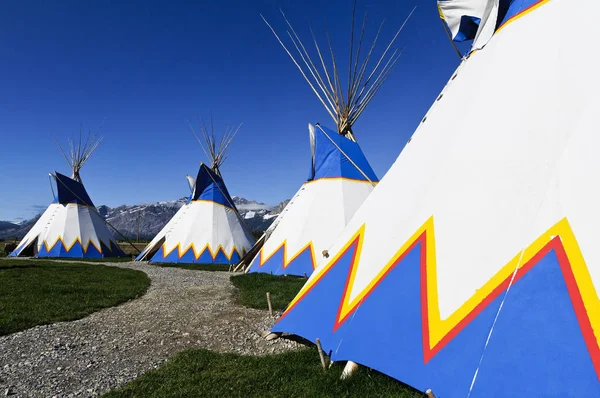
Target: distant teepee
[(341, 177), (71, 226), (208, 229)]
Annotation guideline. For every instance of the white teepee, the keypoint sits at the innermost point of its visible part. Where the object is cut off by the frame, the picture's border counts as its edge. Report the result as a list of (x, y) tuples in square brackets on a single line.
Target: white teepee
[(484, 280), (341, 177), (208, 229), (71, 225)]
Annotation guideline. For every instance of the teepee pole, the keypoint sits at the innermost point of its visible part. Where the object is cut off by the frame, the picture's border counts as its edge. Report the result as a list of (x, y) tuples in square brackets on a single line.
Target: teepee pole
[(198, 138), (314, 71), (230, 138), (300, 69), (351, 51), (429, 393), (329, 92), (63, 152), (363, 83), (354, 69), (50, 176), (364, 65), (327, 74), (80, 153)]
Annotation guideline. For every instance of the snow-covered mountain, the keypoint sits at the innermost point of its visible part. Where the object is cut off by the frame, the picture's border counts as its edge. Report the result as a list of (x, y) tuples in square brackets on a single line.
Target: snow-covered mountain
[(8, 227), (151, 218), (148, 219), (16, 230)]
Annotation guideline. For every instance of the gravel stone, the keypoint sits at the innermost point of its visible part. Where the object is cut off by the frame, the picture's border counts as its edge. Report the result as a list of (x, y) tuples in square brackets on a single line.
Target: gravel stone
[(107, 349)]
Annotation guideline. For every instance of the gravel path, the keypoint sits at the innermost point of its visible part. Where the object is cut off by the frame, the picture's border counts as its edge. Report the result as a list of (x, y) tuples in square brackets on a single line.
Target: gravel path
[(182, 309)]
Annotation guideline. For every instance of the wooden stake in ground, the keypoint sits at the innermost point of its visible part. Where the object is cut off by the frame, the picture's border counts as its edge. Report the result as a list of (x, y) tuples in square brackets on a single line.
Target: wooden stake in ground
[(321, 355), (429, 393), (269, 303)]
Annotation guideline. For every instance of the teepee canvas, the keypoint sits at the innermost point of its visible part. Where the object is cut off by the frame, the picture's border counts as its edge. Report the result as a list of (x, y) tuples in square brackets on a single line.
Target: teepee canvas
[(71, 226), (208, 229), (483, 281), (341, 177)]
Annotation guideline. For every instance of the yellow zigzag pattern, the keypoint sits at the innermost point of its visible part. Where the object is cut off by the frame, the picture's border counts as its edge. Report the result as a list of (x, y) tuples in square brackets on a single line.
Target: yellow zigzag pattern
[(441, 328), (197, 253)]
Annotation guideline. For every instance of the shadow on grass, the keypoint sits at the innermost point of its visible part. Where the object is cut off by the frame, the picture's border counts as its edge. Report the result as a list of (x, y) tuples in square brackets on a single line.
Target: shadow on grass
[(11, 266), (88, 260), (252, 289), (198, 267), (202, 373), (41, 292), (102, 260)]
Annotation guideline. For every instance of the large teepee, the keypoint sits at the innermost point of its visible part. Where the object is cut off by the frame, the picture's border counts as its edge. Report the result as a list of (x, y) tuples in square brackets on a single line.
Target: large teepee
[(484, 280), (340, 177), (208, 229), (71, 225)]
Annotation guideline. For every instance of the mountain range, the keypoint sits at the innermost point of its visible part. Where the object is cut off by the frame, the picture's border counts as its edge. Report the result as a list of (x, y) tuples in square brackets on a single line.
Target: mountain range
[(8, 227), (146, 220)]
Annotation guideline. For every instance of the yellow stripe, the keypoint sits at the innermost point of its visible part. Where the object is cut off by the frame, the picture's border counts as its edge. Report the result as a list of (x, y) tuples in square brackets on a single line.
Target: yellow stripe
[(69, 247), (286, 261), (521, 14), (438, 327), (197, 253)]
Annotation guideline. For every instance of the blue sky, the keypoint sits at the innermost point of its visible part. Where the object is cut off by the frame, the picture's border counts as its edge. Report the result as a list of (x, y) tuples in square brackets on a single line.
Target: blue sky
[(148, 66)]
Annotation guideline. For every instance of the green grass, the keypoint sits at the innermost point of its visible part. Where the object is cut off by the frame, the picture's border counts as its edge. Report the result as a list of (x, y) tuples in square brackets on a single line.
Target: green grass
[(86, 260), (202, 373), (254, 287), (41, 292), (199, 267)]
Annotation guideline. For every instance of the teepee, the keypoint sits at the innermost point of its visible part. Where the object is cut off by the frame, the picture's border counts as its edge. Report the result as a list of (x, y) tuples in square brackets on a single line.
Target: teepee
[(208, 229), (340, 176), (484, 280), (71, 226)]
